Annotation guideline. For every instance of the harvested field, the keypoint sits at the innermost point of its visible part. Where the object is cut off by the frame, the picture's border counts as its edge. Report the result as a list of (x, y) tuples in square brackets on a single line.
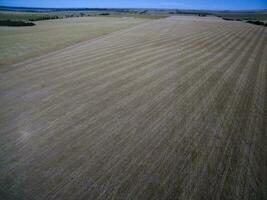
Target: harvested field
[(20, 43), (169, 109)]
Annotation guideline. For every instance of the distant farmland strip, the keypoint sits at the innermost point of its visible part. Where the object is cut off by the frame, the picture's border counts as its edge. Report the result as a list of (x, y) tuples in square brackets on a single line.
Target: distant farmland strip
[(170, 109)]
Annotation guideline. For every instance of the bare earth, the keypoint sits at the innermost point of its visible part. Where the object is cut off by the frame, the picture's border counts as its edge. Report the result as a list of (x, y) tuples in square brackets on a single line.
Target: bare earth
[(169, 109)]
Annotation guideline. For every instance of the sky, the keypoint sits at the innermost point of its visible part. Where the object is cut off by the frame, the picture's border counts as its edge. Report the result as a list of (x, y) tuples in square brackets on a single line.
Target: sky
[(180, 4)]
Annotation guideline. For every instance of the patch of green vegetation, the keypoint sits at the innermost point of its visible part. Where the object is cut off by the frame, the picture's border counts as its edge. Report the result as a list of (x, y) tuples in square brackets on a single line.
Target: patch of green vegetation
[(260, 23), (45, 17), (246, 19), (187, 12), (230, 19), (27, 16), (104, 14), (37, 16), (244, 16), (144, 14), (15, 23)]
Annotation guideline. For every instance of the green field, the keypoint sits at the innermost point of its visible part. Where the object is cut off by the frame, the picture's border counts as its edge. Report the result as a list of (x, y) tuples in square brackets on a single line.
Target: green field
[(262, 16), (8, 15), (12, 15), (20, 43)]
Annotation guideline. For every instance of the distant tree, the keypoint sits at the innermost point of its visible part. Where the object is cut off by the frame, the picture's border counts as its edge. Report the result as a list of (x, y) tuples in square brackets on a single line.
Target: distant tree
[(228, 19), (45, 17), (15, 23), (260, 23), (104, 14)]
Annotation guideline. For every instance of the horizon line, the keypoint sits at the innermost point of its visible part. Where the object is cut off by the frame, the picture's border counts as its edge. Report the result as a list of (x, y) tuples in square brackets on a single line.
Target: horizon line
[(192, 9)]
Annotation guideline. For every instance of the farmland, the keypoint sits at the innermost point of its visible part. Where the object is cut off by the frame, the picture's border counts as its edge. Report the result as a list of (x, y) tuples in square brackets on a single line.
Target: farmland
[(173, 108), (20, 43)]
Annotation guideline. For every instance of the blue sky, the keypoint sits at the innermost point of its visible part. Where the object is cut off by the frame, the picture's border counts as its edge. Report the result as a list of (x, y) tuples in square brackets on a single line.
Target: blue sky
[(182, 4)]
